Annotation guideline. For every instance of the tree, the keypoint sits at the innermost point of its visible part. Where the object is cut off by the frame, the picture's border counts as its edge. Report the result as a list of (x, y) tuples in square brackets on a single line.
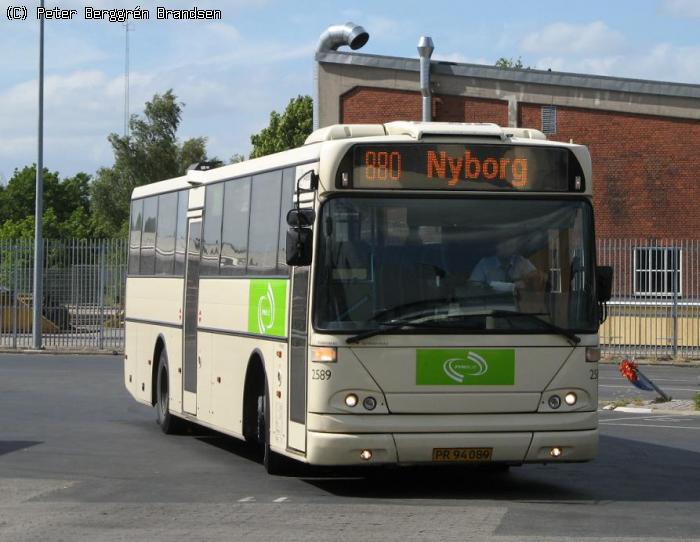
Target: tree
[(66, 206), (285, 131), (504, 62), (151, 153)]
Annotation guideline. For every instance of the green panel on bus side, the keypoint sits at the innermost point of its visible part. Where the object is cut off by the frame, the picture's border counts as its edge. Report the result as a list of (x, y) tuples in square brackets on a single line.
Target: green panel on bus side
[(267, 307), (465, 367)]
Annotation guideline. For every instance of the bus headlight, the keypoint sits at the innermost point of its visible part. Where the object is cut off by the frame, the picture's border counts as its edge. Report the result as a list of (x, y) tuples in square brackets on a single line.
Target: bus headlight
[(351, 400), (570, 398), (324, 354)]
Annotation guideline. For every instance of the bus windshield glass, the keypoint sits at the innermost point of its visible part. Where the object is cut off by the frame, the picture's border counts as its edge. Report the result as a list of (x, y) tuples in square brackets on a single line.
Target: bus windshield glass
[(493, 265)]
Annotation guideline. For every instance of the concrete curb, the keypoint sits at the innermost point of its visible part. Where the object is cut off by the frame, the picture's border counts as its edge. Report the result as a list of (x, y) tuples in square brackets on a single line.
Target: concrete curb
[(55, 352), (633, 410)]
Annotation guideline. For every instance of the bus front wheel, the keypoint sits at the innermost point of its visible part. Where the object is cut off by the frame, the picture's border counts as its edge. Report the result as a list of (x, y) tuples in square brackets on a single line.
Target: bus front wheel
[(273, 462), (168, 423)]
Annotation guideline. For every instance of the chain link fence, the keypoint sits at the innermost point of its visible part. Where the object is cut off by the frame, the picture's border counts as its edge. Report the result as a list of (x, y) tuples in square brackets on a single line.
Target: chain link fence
[(83, 294), (655, 308)]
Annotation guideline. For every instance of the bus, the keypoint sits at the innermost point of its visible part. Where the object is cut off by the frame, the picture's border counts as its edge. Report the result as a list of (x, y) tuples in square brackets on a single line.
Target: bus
[(396, 294)]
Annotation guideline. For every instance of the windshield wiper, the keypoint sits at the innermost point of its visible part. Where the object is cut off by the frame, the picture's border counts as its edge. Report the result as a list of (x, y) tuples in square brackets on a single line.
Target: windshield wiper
[(384, 327), (570, 335)]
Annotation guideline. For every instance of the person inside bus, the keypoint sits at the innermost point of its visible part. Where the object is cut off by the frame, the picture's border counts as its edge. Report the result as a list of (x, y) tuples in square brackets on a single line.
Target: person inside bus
[(506, 271)]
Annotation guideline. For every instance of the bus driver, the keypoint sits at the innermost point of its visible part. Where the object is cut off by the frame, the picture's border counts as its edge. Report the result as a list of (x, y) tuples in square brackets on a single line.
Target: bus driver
[(506, 271)]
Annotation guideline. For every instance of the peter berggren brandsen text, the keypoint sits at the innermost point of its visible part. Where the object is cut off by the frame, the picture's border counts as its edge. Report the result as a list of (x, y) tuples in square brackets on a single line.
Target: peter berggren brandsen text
[(121, 15)]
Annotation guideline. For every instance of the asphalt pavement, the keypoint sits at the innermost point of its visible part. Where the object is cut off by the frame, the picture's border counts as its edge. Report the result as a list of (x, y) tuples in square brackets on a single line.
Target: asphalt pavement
[(80, 460)]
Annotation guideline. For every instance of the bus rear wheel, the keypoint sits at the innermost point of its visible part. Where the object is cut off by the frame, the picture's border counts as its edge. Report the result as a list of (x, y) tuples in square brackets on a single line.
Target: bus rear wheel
[(169, 424)]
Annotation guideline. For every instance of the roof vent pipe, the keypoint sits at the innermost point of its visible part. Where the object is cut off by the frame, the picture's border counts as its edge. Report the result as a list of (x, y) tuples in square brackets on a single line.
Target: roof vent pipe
[(350, 34), (425, 51)]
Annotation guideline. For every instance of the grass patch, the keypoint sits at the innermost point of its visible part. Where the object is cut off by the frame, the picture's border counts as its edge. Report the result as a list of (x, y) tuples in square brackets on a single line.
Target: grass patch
[(626, 401), (696, 400)]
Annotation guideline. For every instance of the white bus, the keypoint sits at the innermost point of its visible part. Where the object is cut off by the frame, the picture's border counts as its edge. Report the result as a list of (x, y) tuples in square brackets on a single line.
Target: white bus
[(406, 293)]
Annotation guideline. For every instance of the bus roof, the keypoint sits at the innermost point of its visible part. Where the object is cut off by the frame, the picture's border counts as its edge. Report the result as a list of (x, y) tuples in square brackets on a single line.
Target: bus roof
[(347, 134)]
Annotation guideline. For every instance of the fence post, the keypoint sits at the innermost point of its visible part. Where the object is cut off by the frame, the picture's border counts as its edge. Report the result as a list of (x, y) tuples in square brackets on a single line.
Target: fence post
[(675, 275), (102, 293), (14, 296)]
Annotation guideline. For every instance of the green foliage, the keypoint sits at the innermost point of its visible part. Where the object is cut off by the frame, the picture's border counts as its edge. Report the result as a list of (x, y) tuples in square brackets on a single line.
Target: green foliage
[(66, 206), (504, 62), (696, 400), (151, 153), (285, 131)]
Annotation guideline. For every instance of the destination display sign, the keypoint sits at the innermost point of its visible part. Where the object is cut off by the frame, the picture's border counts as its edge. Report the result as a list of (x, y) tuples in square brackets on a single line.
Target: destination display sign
[(419, 166)]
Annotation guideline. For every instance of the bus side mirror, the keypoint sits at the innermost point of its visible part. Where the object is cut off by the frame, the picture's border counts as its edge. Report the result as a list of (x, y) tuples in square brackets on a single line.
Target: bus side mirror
[(603, 283), (300, 236), (299, 246), (301, 218)]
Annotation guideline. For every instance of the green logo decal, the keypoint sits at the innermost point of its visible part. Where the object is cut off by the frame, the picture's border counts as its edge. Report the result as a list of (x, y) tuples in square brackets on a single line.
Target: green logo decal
[(460, 367), (267, 307)]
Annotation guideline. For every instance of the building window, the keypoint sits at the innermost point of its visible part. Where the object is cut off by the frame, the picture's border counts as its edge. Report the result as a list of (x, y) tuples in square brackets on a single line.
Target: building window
[(549, 119), (658, 271)]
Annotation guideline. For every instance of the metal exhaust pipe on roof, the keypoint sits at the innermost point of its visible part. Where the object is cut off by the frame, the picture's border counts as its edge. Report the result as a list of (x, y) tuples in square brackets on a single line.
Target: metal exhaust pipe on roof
[(350, 34), (425, 51)]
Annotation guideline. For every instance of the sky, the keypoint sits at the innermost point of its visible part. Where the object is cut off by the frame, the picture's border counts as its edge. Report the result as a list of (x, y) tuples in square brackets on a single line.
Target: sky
[(232, 73)]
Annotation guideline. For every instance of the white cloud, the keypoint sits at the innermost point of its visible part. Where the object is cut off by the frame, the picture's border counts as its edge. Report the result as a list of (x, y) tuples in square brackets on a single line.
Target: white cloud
[(662, 62), (82, 107), (568, 38), (682, 8)]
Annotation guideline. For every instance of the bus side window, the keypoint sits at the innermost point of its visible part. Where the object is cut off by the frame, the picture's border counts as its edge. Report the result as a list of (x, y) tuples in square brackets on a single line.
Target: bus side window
[(287, 204), (263, 237), (213, 209), (234, 234), (148, 236), (165, 235), (181, 232), (135, 236)]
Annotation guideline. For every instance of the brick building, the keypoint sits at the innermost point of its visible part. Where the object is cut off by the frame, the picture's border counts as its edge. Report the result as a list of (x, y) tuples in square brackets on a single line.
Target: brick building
[(644, 136), (644, 139)]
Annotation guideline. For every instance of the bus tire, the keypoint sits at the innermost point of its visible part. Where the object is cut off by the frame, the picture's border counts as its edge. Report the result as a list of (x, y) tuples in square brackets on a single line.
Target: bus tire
[(272, 461), (169, 424)]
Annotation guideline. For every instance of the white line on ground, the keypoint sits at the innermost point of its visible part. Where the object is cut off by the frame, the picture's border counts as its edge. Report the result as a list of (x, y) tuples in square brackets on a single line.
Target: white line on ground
[(247, 499), (280, 499), (665, 387), (684, 380), (626, 418), (656, 425)]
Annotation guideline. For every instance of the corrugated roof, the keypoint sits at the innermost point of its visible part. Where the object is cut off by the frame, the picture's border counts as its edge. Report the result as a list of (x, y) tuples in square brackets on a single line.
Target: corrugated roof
[(514, 75)]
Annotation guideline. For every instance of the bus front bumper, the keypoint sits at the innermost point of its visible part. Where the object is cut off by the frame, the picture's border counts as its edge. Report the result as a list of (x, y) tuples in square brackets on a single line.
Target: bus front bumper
[(563, 432)]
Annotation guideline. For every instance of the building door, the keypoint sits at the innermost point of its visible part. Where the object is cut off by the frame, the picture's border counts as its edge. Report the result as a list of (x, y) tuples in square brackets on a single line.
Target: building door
[(194, 249)]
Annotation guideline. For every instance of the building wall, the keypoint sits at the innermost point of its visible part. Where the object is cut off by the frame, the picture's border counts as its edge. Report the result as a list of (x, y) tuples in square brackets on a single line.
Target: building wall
[(646, 168)]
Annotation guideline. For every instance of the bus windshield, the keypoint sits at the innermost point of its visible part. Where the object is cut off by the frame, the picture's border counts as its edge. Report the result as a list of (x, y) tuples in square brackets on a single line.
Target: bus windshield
[(491, 265)]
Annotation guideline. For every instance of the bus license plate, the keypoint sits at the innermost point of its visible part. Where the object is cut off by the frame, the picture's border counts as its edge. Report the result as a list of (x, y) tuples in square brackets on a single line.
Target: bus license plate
[(462, 454)]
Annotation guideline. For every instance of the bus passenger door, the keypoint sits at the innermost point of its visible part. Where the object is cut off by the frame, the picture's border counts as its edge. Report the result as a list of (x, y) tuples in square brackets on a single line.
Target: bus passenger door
[(296, 434), (194, 248)]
